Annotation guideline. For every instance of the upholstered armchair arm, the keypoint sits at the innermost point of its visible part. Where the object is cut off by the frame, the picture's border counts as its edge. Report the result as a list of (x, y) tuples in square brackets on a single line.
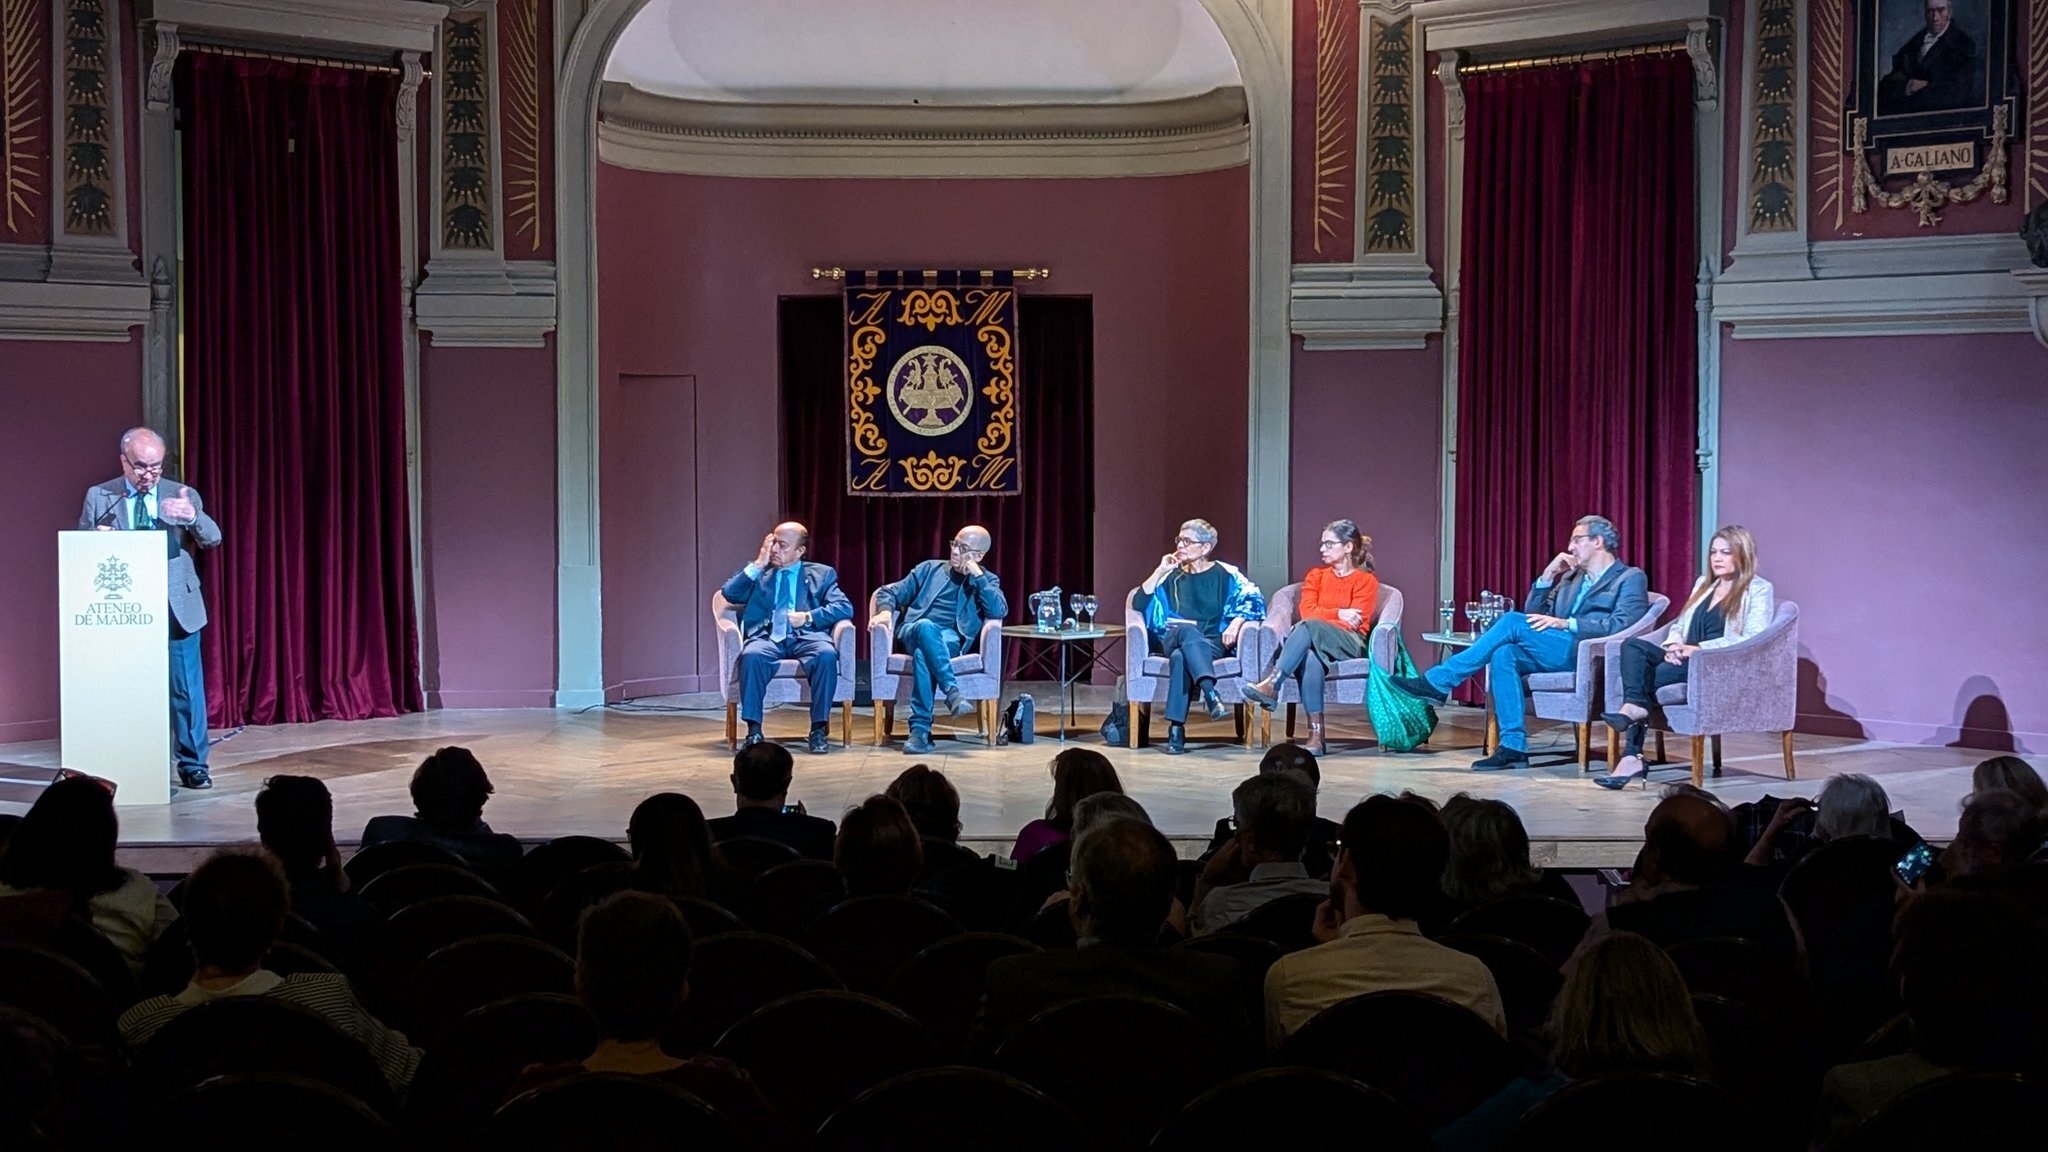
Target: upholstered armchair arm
[(990, 645), (843, 640), (881, 641), (1137, 646), (1751, 685), (1273, 631), (728, 625), (1383, 643)]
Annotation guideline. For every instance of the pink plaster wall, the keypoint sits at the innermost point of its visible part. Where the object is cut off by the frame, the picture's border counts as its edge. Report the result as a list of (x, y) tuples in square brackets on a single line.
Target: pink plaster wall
[(689, 271), (1893, 488), (66, 405), (487, 511)]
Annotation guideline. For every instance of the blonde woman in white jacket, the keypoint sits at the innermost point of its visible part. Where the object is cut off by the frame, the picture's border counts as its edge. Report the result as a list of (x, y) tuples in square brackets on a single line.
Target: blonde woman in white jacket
[(1728, 604)]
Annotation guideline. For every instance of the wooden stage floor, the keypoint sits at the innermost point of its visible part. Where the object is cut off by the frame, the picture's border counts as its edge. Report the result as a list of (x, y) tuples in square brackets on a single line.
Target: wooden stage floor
[(560, 772)]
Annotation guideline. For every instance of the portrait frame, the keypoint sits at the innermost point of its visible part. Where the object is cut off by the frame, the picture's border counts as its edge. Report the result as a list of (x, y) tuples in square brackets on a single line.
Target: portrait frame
[(1931, 127)]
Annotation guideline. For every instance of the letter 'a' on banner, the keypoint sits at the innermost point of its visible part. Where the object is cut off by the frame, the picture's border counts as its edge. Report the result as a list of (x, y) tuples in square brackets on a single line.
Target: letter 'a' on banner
[(931, 384)]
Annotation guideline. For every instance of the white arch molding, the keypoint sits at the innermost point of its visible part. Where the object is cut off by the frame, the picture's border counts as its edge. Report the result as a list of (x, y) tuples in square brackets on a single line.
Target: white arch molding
[(1260, 37)]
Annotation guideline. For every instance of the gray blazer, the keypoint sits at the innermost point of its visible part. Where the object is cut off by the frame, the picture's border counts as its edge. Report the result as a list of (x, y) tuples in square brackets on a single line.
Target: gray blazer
[(108, 504)]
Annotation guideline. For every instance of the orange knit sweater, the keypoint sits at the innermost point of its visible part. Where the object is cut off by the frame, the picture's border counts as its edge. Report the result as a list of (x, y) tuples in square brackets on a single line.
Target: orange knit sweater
[(1323, 592)]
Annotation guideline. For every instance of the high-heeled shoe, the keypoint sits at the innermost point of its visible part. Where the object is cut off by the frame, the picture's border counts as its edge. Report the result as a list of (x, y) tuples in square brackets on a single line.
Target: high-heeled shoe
[(1620, 721), (1617, 781)]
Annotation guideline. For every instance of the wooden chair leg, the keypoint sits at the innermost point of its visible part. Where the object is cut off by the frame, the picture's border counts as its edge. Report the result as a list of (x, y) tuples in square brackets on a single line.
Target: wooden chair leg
[(1717, 755), (1139, 714), (1699, 761), (991, 719), (1584, 739), (1249, 724), (888, 708), (1492, 738), (1661, 756), (1290, 721), (879, 737), (1613, 748), (1790, 772), (732, 727), (846, 724)]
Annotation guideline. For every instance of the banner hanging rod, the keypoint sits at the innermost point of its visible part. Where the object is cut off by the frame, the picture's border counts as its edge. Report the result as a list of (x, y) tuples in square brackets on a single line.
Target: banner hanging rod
[(1633, 50)]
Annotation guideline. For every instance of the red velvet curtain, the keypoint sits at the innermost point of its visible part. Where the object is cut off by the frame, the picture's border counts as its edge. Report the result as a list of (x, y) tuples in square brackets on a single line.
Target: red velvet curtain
[(294, 393), (1044, 536), (1577, 386)]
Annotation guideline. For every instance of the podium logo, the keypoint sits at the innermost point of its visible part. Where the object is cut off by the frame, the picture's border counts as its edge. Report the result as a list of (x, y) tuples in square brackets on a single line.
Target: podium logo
[(114, 609)]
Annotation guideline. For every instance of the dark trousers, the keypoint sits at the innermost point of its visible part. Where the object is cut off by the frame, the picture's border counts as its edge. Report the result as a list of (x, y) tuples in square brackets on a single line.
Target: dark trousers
[(1191, 666), (813, 653), (1643, 671), (188, 701)]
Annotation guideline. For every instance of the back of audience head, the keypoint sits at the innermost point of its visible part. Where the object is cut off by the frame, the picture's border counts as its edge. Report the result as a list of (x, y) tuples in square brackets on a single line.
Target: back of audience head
[(2010, 774), (449, 790), (1078, 773), (295, 821), (235, 903), (42, 1099), (672, 849), (761, 774), (1123, 877), (1997, 832), (1968, 967), (1687, 840), (931, 800), (1851, 805), (1624, 1007), (1093, 810), (1687, 788), (66, 842), (1393, 858), (633, 952), (878, 851), (1275, 813), (1292, 758), (1489, 850)]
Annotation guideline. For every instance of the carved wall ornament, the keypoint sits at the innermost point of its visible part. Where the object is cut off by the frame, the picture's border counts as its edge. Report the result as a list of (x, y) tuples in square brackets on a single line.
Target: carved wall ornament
[(1333, 72), (1774, 144), (163, 64), (1454, 93), (1389, 218), (1830, 81), (88, 157), (1701, 46), (466, 133), (1926, 195), (22, 129), (410, 73), (523, 115)]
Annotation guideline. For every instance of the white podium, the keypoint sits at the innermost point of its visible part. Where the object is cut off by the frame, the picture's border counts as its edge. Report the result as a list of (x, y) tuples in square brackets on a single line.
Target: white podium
[(113, 647)]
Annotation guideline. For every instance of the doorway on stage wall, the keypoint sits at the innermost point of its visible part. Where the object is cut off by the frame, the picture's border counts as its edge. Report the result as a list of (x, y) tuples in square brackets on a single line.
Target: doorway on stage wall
[(1044, 536)]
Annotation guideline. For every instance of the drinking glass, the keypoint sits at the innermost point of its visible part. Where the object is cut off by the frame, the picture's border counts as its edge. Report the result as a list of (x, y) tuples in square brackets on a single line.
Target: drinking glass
[(1076, 602), (1447, 616), (1091, 604), (1472, 616)]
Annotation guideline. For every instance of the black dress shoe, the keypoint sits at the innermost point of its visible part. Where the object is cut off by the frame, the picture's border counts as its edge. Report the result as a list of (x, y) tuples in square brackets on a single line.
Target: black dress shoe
[(1176, 740), (820, 741), (1504, 759), (957, 704), (919, 744), (197, 779), (1418, 687), (1618, 721), (1214, 703)]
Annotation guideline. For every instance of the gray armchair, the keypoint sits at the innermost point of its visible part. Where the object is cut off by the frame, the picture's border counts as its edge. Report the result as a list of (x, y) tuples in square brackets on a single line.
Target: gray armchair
[(1145, 673), (789, 685), (1574, 694), (1749, 686), (1348, 681), (979, 672)]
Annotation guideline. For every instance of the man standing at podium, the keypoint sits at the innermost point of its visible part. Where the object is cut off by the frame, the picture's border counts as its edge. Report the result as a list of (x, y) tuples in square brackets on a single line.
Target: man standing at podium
[(143, 499)]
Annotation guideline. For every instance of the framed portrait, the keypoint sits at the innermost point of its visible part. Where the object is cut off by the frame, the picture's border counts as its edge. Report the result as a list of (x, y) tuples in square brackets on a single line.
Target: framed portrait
[(1936, 90)]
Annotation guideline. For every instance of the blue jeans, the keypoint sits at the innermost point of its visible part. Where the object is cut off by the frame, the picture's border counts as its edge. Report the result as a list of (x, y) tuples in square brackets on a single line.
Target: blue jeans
[(188, 701), (931, 646), (1512, 650)]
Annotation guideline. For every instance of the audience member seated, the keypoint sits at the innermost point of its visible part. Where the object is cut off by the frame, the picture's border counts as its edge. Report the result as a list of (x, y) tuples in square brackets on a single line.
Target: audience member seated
[(1120, 892), (761, 775), (2014, 775), (448, 794), (1323, 834), (65, 845), (1996, 835), (672, 850), (1490, 856), (295, 821), (633, 953), (1684, 884), (1262, 863), (1623, 1008), (1848, 805), (934, 807), (877, 852), (234, 905), (1968, 966), (1077, 773), (1387, 876), (1091, 811)]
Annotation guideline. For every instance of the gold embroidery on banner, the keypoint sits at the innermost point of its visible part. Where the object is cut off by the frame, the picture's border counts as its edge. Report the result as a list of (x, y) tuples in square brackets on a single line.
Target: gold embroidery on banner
[(929, 308), (932, 472), (869, 473)]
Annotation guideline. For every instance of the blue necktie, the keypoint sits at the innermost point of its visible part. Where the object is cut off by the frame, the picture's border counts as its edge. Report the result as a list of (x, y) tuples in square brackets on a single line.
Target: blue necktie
[(785, 599)]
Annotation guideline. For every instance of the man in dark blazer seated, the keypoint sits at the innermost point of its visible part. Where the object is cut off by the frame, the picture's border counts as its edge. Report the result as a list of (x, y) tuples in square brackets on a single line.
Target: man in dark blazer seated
[(938, 611), (143, 499), (761, 775), (1584, 593), (1121, 889), (1933, 69), (787, 611)]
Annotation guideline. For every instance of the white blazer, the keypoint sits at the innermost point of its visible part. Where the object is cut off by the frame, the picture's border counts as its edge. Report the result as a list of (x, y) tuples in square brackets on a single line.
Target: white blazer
[(1759, 604)]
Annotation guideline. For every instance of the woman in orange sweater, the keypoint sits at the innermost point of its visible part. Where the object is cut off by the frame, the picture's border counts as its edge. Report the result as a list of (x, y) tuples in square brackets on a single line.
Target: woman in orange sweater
[(1333, 615)]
